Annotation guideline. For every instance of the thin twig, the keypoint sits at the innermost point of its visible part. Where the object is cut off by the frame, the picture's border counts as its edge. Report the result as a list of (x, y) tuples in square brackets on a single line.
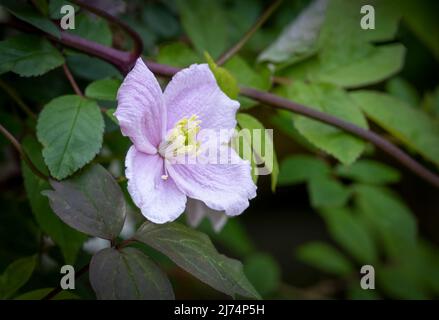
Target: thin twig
[(23, 155), (72, 80), (262, 19), (17, 99)]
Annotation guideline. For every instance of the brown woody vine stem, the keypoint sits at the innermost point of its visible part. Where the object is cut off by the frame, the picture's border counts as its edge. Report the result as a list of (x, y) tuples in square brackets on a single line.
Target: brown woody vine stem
[(124, 61)]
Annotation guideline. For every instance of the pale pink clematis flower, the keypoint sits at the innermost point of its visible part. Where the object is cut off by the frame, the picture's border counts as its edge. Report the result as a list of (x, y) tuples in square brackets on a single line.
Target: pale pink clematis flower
[(157, 122)]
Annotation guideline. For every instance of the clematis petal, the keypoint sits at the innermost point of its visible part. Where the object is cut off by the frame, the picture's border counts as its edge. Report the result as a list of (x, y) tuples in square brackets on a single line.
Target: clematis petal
[(159, 200), (197, 210), (141, 111), (222, 187), (194, 91)]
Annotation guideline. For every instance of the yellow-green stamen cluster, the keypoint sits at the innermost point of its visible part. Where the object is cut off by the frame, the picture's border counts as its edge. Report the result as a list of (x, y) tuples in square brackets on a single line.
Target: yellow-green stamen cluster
[(182, 139)]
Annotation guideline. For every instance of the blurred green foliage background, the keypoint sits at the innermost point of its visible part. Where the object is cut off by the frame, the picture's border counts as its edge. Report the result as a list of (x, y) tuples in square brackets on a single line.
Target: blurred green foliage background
[(338, 203)]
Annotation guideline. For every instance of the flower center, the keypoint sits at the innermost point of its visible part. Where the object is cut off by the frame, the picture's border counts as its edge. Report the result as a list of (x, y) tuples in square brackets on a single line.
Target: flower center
[(182, 139)]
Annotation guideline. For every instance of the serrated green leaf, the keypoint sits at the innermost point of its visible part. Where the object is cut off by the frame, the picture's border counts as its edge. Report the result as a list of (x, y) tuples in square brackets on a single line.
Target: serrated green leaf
[(70, 128), (70, 241), (193, 251), (368, 171), (105, 89), (91, 202), (411, 126), (336, 102), (389, 216), (351, 233), (301, 168), (262, 146), (205, 24), (327, 192), (128, 274), (16, 275), (324, 257), (28, 56)]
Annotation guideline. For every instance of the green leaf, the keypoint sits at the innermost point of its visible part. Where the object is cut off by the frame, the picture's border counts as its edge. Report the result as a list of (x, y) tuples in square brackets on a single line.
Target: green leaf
[(25, 12), (246, 76), (90, 68), (336, 102), (351, 233), (69, 240), (368, 171), (226, 81), (70, 128), (39, 294), (105, 89), (392, 220), (28, 56), (160, 20), (402, 89), (91, 202), (283, 121), (380, 64), (411, 126), (194, 252), (325, 257), (16, 275), (347, 55), (262, 146), (261, 263), (177, 54), (94, 28), (299, 38), (205, 24), (301, 168), (128, 274), (327, 192)]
